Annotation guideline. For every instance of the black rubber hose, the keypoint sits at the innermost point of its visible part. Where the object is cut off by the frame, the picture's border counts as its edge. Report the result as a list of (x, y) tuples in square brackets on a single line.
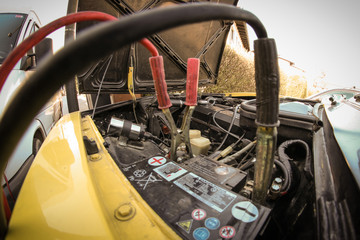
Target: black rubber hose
[(70, 35), (290, 151), (285, 187), (95, 43), (296, 150)]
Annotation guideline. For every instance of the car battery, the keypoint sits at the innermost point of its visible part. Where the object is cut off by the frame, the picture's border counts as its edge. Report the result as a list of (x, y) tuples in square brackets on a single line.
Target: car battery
[(195, 198)]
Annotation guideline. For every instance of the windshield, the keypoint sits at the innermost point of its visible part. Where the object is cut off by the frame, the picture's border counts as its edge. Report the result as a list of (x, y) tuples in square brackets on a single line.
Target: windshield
[(10, 27)]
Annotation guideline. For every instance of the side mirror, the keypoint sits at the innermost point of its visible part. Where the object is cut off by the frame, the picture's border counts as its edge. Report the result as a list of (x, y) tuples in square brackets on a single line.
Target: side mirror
[(28, 61), (32, 59)]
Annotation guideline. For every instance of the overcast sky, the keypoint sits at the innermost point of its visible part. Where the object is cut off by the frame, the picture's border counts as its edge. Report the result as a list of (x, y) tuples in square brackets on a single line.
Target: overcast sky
[(318, 35)]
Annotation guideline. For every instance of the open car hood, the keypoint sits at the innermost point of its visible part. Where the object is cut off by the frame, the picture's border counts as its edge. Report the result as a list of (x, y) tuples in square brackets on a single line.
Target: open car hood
[(203, 40)]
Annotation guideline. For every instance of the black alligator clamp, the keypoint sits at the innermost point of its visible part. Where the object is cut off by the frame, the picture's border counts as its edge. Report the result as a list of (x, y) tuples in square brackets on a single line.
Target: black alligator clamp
[(267, 79)]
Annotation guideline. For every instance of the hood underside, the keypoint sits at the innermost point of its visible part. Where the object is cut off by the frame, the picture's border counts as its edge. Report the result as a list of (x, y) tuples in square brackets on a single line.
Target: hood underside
[(205, 41)]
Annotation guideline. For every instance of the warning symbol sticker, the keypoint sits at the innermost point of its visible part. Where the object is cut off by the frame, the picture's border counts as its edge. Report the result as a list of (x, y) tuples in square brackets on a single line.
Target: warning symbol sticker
[(157, 161), (227, 232), (198, 214), (146, 181), (212, 223), (245, 211), (170, 171), (185, 225), (139, 173), (201, 233)]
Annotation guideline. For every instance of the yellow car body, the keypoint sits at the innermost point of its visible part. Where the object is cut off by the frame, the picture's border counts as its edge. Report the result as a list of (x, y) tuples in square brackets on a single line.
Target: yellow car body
[(72, 195)]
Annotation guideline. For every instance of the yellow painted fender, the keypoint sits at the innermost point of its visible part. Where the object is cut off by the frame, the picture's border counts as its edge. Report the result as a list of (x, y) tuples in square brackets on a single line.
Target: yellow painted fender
[(68, 194)]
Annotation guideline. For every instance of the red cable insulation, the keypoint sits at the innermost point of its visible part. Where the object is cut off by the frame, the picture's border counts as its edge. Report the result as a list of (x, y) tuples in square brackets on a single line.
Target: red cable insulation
[(6, 207), (192, 81), (8, 187), (150, 47), (6, 202), (37, 36)]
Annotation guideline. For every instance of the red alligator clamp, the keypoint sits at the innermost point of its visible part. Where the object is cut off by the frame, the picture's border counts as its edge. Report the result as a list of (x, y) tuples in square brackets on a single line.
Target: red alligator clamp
[(181, 135)]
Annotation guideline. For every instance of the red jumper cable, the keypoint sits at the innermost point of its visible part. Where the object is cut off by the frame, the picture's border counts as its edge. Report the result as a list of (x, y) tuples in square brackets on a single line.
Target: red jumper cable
[(37, 36), (181, 135)]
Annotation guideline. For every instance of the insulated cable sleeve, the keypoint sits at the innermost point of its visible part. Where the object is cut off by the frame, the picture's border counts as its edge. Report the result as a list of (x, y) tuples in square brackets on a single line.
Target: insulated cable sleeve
[(230, 127), (36, 37), (267, 80), (158, 73), (192, 81), (92, 44), (238, 153), (150, 47)]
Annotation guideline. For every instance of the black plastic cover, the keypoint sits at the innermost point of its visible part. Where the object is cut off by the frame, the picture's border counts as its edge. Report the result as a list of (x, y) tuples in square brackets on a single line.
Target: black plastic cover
[(203, 40), (291, 124)]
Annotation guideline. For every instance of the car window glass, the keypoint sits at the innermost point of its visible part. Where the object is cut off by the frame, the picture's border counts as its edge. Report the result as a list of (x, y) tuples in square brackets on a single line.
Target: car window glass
[(10, 27)]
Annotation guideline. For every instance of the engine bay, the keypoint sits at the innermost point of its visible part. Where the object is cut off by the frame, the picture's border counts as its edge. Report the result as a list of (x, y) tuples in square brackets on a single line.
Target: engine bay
[(210, 194), (209, 166)]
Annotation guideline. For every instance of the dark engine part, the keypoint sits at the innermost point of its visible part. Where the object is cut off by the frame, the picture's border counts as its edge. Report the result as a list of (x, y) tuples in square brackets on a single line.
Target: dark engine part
[(296, 151), (121, 127), (186, 186), (203, 119), (293, 215), (128, 154), (291, 124)]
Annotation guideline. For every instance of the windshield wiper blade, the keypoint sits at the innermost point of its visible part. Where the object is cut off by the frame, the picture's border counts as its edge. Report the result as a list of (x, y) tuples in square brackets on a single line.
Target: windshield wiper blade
[(16, 29)]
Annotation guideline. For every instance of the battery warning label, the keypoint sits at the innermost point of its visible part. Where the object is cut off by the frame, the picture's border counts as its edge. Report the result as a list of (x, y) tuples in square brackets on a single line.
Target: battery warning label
[(185, 225), (170, 171), (205, 191), (198, 214)]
